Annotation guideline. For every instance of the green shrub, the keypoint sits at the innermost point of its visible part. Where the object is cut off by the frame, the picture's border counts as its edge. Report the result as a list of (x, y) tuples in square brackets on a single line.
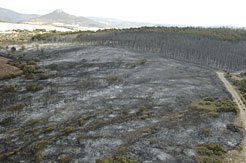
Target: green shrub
[(34, 86), (207, 103), (142, 108), (111, 78), (210, 149), (81, 122), (31, 62), (115, 159), (29, 69), (226, 105), (43, 76), (206, 131), (84, 82), (36, 59), (211, 99), (228, 75), (64, 158), (17, 107), (211, 160), (22, 65), (9, 88), (242, 85)]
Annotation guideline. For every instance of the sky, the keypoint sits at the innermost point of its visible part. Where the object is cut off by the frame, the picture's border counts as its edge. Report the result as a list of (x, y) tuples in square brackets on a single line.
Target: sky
[(173, 12)]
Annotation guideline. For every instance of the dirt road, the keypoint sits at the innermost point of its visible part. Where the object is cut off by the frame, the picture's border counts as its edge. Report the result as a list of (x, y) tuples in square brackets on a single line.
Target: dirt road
[(240, 157)]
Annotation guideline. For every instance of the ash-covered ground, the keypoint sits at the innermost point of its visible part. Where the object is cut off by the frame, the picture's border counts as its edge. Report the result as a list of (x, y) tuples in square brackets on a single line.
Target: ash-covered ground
[(103, 102)]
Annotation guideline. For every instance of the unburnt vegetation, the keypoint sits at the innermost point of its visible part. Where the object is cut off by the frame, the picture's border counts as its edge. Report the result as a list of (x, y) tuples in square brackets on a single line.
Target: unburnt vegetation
[(239, 81)]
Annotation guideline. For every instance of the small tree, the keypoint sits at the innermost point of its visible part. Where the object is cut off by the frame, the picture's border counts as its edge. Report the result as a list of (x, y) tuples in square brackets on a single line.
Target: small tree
[(13, 49)]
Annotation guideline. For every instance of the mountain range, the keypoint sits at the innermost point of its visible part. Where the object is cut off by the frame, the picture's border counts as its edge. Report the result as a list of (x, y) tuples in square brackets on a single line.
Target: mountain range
[(61, 18)]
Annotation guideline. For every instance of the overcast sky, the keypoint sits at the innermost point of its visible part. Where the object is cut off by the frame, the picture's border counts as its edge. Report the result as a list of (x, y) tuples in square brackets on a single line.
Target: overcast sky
[(176, 12)]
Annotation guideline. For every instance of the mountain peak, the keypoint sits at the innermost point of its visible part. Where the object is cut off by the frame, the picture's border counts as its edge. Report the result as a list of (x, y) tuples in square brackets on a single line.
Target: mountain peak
[(58, 11)]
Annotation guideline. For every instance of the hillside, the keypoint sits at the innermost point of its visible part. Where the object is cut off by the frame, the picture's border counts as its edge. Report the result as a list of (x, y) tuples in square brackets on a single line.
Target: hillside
[(116, 23), (59, 17), (7, 15)]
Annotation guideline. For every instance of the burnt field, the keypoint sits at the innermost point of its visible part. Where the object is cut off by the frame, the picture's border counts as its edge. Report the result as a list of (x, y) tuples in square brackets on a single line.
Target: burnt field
[(101, 102)]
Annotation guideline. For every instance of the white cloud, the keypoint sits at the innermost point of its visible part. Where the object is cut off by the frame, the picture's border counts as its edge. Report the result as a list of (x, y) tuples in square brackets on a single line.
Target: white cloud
[(183, 12)]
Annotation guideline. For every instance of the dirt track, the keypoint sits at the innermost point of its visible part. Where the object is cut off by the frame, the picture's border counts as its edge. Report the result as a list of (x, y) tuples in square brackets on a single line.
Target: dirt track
[(236, 97)]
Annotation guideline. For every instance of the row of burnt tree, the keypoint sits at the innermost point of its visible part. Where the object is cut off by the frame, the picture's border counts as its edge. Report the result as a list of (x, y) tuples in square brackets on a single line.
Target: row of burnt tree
[(206, 51)]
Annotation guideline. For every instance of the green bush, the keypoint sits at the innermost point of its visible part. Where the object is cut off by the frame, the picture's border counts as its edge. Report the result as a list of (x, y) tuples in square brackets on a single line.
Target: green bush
[(111, 78), (64, 158), (34, 87), (206, 131), (210, 149), (242, 85), (43, 76), (29, 69), (36, 59), (226, 105), (13, 49), (9, 88), (142, 108), (210, 99), (207, 103), (211, 160), (17, 107), (115, 159), (31, 62)]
